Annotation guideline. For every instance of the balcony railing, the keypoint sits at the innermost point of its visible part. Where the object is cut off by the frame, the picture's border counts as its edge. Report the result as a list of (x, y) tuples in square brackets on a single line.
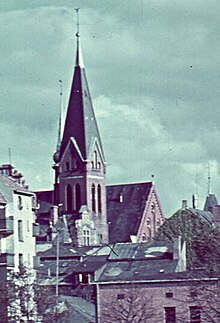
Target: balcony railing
[(36, 230), (6, 226), (7, 259)]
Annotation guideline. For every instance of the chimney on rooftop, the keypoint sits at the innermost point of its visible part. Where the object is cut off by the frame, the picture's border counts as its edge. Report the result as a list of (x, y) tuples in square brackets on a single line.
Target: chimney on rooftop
[(179, 253), (54, 214), (194, 201), (184, 204)]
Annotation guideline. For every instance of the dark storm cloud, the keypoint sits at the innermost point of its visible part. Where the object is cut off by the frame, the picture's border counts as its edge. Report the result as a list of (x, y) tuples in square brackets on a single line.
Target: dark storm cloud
[(154, 73)]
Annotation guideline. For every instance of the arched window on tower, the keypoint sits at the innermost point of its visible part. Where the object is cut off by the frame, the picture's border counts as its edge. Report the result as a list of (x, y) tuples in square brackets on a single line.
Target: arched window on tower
[(99, 198), (69, 198), (96, 159), (93, 198), (78, 196)]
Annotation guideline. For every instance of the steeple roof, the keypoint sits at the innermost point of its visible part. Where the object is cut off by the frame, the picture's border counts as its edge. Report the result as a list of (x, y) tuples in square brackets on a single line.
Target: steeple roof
[(210, 202), (80, 119)]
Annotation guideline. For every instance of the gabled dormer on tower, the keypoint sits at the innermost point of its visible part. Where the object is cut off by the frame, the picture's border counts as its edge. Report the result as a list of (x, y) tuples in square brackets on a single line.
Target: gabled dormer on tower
[(79, 162)]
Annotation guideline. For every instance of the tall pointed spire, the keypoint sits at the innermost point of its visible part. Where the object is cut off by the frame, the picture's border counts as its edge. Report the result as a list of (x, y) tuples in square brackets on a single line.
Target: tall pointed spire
[(80, 121), (80, 168)]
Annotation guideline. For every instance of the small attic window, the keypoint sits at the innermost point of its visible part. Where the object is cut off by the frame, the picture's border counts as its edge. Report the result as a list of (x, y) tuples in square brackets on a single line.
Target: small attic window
[(67, 166)]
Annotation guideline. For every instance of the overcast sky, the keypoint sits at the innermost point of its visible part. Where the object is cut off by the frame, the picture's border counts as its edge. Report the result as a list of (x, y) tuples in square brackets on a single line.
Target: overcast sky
[(153, 69)]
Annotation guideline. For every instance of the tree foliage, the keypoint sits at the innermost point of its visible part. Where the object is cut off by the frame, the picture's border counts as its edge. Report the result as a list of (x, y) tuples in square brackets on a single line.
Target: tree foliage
[(202, 240), (21, 296)]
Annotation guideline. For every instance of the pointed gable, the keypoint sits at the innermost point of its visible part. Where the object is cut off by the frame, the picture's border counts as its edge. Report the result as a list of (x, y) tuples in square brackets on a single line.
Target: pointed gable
[(80, 119)]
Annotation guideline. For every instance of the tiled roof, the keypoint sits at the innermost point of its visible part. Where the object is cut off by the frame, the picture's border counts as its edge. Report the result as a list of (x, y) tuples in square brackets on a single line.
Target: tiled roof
[(125, 206), (78, 308), (203, 215)]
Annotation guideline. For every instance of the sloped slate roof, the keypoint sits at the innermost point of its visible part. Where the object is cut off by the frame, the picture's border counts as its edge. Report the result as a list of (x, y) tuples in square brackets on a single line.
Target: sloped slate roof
[(124, 217), (67, 250), (8, 185), (211, 201), (2, 199), (137, 270), (131, 251)]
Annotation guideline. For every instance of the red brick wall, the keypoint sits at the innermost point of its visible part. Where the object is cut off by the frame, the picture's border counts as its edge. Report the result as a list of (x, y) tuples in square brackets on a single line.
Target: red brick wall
[(152, 218), (149, 300)]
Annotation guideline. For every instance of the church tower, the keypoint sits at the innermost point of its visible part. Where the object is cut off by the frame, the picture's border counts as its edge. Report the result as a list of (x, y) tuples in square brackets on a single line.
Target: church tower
[(80, 165)]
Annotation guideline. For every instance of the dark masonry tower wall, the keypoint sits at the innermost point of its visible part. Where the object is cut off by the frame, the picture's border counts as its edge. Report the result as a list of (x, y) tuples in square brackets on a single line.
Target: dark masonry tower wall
[(80, 166)]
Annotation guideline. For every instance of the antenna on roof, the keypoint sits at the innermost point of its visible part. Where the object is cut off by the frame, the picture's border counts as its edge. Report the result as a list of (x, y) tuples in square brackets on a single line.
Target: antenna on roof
[(197, 181), (60, 130), (9, 155), (209, 179)]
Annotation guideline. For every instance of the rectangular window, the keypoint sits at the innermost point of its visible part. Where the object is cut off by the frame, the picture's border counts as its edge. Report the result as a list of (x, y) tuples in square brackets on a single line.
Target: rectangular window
[(86, 237), (120, 296), (20, 231), (195, 314), (85, 278), (170, 314), (193, 294), (169, 294)]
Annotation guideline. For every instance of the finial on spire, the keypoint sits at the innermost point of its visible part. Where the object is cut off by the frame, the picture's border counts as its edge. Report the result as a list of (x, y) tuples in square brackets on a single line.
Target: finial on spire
[(79, 59), (77, 23), (152, 176)]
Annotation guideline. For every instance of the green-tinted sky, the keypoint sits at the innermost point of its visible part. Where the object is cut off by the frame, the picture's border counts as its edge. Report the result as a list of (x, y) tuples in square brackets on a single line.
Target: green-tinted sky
[(154, 73)]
